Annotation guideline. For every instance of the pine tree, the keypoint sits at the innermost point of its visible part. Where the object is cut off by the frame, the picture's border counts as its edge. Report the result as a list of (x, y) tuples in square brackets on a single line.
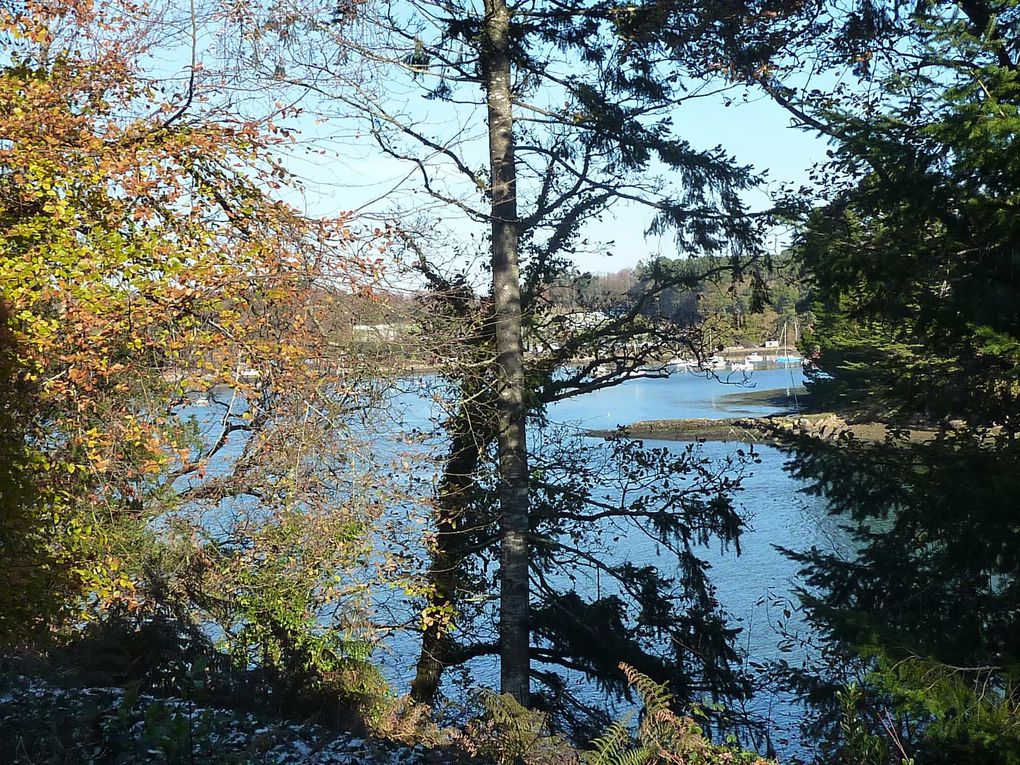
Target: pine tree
[(557, 113), (914, 256)]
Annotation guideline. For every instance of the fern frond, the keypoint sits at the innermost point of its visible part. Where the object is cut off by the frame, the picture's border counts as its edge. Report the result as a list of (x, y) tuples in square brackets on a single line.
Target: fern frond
[(640, 756), (654, 696), (610, 747), (662, 738)]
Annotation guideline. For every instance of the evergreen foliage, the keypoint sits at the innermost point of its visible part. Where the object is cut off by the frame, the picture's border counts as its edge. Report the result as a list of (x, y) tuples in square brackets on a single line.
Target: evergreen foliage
[(924, 615), (914, 259)]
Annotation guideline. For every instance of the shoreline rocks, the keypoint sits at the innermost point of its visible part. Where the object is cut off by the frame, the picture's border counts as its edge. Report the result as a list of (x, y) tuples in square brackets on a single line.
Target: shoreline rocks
[(824, 426)]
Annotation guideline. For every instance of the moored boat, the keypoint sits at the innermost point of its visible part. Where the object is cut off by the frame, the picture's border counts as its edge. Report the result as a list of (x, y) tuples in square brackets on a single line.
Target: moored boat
[(715, 363)]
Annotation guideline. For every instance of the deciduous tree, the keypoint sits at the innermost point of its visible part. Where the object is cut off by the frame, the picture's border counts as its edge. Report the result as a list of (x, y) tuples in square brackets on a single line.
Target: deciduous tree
[(146, 267)]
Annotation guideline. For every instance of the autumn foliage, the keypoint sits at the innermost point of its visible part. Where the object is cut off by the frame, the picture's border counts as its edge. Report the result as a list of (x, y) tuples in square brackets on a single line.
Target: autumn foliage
[(141, 259)]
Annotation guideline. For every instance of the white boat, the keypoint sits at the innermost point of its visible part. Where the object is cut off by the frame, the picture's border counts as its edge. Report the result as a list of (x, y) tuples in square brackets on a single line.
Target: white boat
[(679, 365), (741, 366), (754, 358), (715, 363)]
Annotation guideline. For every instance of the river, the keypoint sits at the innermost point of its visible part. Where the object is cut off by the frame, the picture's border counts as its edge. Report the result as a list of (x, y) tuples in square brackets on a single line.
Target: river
[(752, 586)]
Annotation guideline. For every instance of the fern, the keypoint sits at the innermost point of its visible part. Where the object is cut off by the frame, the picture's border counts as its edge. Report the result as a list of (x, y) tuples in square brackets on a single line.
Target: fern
[(511, 734), (662, 738), (610, 747), (654, 696)]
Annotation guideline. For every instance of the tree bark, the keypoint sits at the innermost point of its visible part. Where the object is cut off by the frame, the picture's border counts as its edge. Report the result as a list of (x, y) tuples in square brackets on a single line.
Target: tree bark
[(514, 632)]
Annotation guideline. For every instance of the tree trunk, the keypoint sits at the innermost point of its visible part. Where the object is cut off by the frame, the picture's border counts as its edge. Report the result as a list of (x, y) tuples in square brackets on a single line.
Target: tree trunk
[(469, 437), (514, 633), (435, 642)]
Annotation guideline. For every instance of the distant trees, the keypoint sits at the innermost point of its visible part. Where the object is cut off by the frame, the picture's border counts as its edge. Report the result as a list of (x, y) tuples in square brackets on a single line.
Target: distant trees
[(745, 308), (735, 308)]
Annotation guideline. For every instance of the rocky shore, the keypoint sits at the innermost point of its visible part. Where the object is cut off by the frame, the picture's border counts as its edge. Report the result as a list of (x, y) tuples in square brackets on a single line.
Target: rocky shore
[(824, 426)]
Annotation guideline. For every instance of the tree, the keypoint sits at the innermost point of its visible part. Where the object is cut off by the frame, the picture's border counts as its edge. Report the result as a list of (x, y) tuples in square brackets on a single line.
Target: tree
[(589, 606), (733, 308), (144, 268), (496, 64), (578, 119), (912, 253), (923, 616)]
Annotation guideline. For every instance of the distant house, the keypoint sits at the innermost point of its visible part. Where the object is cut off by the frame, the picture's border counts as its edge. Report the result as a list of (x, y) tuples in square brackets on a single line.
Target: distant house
[(563, 324), (378, 333), (771, 343)]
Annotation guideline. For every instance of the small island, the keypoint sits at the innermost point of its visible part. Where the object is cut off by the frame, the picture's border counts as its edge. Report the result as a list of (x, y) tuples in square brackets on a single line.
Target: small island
[(795, 418)]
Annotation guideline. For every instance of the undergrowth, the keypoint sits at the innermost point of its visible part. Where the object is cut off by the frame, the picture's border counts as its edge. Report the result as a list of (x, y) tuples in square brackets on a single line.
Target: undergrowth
[(157, 690)]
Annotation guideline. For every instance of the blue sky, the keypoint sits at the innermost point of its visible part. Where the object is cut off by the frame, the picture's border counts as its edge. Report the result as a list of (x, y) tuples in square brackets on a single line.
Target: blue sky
[(350, 172), (756, 132), (341, 168), (345, 171)]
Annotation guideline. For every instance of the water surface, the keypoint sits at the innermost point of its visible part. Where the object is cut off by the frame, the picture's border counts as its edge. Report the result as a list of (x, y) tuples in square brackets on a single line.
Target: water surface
[(753, 585)]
